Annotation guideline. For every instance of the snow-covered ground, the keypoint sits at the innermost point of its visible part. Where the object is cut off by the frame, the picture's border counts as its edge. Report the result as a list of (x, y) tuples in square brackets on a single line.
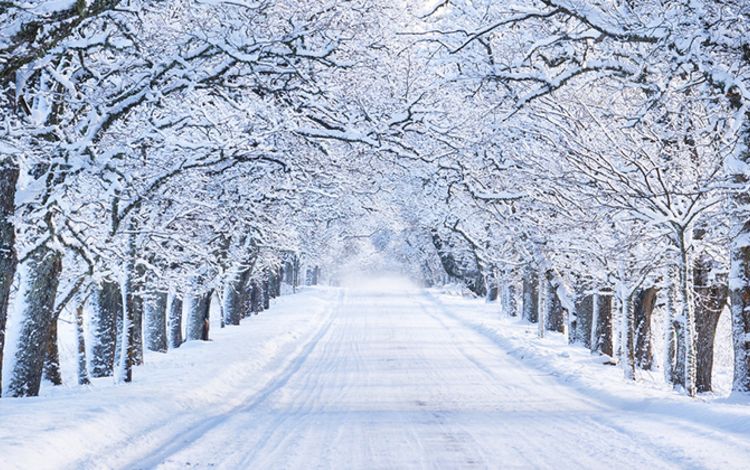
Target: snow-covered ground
[(378, 376)]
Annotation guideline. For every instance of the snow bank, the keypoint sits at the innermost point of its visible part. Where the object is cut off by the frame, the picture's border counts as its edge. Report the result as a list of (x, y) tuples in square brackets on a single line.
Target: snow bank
[(84, 426), (588, 373)]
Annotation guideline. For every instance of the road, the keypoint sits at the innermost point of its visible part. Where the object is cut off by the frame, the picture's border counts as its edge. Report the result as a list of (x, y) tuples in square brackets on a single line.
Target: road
[(392, 380)]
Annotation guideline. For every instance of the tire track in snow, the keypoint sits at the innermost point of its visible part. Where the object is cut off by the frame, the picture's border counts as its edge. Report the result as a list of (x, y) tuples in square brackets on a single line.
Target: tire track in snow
[(188, 436)]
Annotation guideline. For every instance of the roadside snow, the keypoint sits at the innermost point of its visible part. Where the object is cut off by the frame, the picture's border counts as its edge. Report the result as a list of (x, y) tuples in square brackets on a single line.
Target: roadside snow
[(384, 375), (73, 426), (575, 366)]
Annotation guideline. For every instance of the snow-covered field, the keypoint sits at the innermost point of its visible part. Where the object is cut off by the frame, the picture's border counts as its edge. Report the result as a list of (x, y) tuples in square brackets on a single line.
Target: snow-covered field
[(379, 376)]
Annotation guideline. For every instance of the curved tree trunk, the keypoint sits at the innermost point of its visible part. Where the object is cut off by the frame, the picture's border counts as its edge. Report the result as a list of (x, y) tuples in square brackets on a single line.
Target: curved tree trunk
[(40, 275)]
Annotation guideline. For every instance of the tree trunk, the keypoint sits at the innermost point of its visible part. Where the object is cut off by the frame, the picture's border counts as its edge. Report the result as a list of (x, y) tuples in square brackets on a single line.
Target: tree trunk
[(197, 317), (686, 354), (127, 331), (542, 298), (279, 280), (83, 374), (273, 281), (8, 259), (156, 321), (52, 357), (710, 298), (266, 286), (39, 278), (509, 299), (120, 338), (138, 313), (605, 335), (644, 301), (232, 302), (739, 261), (316, 275), (627, 317), (175, 322), (256, 298), (107, 313), (739, 299), (555, 313), (584, 319), (492, 287), (296, 268), (670, 329), (530, 296)]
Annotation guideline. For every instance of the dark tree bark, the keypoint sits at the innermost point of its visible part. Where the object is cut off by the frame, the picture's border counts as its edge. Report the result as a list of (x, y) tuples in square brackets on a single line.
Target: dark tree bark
[(585, 311), (272, 280), (279, 281), (128, 349), (39, 280), (492, 293), (256, 298), (492, 286), (235, 297), (106, 313), (8, 259), (555, 318), (710, 298), (644, 301), (233, 293), (266, 288), (156, 321), (52, 357), (175, 322), (471, 276), (530, 307), (198, 320), (604, 325)]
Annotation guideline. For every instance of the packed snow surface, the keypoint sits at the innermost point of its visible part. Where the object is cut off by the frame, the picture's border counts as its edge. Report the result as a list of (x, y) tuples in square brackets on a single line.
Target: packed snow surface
[(379, 376)]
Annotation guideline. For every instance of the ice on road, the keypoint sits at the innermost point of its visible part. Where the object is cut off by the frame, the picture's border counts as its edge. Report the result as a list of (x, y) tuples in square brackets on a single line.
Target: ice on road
[(389, 378)]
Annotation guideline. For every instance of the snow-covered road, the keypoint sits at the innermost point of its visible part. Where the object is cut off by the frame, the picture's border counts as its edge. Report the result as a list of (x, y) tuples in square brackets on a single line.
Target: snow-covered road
[(391, 378)]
